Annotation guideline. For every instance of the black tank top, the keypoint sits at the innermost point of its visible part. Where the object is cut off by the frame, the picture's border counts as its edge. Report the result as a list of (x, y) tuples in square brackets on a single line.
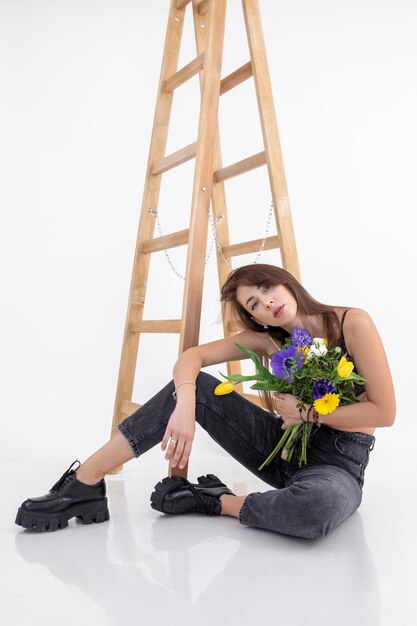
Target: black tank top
[(356, 386)]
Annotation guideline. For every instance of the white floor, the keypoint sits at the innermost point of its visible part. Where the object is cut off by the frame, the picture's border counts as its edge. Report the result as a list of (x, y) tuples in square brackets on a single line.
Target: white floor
[(143, 567)]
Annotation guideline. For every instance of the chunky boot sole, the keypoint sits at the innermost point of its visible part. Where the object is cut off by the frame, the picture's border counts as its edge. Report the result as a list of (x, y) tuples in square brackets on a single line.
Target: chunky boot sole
[(167, 485), (162, 489), (88, 512)]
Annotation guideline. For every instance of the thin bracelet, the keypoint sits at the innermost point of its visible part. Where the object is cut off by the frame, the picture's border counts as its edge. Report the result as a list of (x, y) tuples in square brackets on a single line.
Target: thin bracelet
[(316, 416), (186, 382)]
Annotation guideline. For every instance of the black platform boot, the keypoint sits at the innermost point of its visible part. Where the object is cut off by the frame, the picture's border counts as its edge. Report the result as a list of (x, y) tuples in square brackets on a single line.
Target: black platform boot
[(66, 499), (178, 495)]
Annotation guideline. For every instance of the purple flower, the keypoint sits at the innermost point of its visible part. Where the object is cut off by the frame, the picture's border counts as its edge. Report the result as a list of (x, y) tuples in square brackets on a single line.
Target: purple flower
[(281, 362), (322, 387), (300, 338)]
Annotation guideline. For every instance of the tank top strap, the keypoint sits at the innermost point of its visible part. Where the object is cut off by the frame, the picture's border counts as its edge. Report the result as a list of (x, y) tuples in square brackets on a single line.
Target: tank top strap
[(343, 317), (342, 338), (358, 388)]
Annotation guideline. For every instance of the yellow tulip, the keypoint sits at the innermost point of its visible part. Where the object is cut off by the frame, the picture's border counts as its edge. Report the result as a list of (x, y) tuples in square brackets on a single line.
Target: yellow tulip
[(223, 388), (304, 351), (345, 367)]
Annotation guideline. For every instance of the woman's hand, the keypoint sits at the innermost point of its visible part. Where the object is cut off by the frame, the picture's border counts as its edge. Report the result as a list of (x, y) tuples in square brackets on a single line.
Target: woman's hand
[(286, 405), (181, 430)]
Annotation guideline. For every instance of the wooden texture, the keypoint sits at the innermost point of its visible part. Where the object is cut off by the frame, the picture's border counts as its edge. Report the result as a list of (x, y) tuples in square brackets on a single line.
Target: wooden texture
[(187, 72), (208, 184), (203, 7), (203, 175), (236, 78), (147, 220), (174, 159), (127, 407), (173, 240), (156, 326), (237, 249), (270, 135), (181, 4), (241, 167)]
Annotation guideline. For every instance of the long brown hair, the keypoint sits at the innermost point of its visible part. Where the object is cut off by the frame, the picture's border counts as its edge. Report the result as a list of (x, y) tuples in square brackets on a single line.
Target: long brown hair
[(266, 275)]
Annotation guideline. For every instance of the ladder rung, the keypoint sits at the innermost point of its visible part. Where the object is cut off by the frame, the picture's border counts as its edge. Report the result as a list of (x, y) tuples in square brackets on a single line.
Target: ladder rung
[(247, 247), (203, 6), (129, 407), (156, 326), (184, 74), (173, 240), (236, 77), (240, 167), (174, 159)]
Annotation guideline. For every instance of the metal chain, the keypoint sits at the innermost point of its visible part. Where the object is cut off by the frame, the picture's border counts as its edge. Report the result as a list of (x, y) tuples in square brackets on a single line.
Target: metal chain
[(158, 223), (268, 224), (214, 238)]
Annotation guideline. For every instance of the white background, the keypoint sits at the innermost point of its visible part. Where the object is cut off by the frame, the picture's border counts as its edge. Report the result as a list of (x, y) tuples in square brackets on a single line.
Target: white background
[(79, 81), (78, 89)]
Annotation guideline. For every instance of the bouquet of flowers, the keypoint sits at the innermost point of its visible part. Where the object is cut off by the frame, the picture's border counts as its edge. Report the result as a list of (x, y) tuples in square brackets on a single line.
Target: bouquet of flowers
[(314, 374)]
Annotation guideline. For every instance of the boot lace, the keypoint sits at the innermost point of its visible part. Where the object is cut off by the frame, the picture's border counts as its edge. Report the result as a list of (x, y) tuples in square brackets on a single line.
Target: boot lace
[(205, 503), (209, 504), (66, 476)]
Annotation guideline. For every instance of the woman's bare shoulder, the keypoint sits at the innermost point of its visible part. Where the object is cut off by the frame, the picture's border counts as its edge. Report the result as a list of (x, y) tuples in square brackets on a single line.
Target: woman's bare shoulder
[(365, 345), (356, 320), (358, 327)]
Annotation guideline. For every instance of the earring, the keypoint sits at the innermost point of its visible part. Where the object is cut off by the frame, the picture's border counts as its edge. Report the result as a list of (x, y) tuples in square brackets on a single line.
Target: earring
[(265, 326)]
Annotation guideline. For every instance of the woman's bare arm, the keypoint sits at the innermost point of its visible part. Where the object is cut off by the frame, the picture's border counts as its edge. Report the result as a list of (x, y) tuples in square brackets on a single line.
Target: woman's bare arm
[(192, 360), (179, 434), (364, 344)]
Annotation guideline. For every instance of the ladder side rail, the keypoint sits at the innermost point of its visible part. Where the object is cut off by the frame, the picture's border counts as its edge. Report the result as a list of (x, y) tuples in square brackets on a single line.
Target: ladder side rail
[(200, 28), (146, 228), (219, 203), (270, 134), (203, 175), (218, 192)]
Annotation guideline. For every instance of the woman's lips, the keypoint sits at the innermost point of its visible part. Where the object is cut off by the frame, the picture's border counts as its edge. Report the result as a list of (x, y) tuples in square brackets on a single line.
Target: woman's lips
[(277, 312)]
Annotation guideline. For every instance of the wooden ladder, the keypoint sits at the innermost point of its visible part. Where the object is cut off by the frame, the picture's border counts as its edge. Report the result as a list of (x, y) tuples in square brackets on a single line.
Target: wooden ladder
[(209, 177)]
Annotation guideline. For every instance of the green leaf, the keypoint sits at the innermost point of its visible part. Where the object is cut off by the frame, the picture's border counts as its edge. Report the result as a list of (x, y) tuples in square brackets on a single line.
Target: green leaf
[(264, 385), (255, 359), (240, 378)]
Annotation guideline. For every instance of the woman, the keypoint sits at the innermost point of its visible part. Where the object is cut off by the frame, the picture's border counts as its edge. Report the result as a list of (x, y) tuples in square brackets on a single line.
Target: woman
[(308, 502)]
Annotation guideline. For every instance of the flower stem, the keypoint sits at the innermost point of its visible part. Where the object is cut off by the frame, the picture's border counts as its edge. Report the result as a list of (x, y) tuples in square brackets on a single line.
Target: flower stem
[(284, 442)]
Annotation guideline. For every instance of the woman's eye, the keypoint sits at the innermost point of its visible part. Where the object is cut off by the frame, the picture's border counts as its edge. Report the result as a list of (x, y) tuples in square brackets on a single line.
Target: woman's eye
[(254, 305)]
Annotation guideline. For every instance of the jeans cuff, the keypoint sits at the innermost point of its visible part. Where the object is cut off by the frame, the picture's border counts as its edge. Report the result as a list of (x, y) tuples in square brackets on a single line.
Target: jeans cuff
[(130, 439), (243, 510)]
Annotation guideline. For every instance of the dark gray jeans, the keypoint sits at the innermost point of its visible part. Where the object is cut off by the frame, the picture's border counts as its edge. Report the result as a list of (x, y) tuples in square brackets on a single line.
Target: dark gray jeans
[(306, 502)]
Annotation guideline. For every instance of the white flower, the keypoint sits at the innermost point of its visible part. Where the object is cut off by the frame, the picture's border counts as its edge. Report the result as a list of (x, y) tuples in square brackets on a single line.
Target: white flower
[(318, 347)]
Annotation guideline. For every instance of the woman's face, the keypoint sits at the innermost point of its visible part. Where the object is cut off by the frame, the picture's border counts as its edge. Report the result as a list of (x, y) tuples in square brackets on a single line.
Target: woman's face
[(275, 306)]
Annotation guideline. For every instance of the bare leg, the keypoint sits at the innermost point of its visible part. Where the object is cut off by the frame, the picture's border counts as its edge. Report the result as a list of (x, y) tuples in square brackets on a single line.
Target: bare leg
[(115, 452), (231, 505)]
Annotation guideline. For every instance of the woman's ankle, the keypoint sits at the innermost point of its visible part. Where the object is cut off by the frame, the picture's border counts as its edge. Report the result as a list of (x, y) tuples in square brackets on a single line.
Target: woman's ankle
[(112, 454), (88, 477), (231, 505)]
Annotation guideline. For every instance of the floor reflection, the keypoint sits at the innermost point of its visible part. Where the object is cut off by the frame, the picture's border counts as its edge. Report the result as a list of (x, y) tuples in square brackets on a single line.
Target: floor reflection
[(209, 569)]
